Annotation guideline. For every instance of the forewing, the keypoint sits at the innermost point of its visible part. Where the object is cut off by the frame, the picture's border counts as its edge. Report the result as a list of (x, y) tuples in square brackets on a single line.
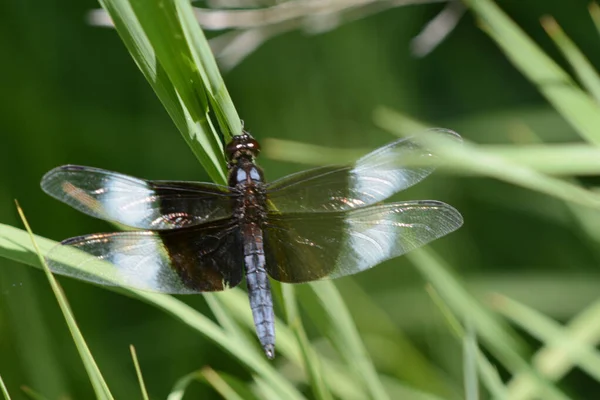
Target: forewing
[(136, 202), (372, 179), (182, 261), (305, 247)]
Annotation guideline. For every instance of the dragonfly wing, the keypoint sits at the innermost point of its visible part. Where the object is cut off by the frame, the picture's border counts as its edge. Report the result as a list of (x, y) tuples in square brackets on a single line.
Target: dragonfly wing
[(136, 202), (371, 179), (305, 247), (182, 261)]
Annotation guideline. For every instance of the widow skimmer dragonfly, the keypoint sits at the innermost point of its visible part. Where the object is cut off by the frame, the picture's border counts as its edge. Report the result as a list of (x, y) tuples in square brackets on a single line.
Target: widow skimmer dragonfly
[(202, 237)]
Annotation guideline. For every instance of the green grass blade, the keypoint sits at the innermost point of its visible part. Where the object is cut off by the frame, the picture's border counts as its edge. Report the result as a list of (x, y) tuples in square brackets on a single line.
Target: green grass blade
[(470, 351), (576, 106), (490, 377), (552, 360), (32, 394), (98, 383), (467, 157), (581, 65), (264, 390), (551, 333), (220, 385), (337, 378), (175, 58), (15, 245), (138, 372), (3, 389), (182, 383), (499, 339), (345, 337), (594, 10), (236, 303), (219, 98), (565, 159), (311, 362)]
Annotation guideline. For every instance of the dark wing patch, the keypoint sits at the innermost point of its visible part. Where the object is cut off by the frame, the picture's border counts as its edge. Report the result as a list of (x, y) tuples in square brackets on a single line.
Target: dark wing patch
[(136, 202), (305, 247), (373, 178), (183, 261)]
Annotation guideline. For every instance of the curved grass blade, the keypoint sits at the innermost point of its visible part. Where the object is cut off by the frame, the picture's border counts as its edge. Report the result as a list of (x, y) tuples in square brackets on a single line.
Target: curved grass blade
[(580, 63), (552, 334), (498, 337), (15, 245), (32, 394), (345, 337), (100, 387), (175, 58), (220, 385), (488, 372), (468, 157), (554, 83), (138, 372), (470, 350), (311, 362), (552, 360), (182, 383), (4, 389)]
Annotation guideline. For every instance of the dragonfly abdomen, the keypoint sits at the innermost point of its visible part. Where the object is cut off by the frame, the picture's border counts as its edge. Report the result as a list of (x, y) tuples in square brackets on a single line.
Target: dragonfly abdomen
[(259, 288)]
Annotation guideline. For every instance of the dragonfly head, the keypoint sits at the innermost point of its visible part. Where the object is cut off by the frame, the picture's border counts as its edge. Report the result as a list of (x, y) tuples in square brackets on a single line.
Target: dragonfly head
[(242, 145)]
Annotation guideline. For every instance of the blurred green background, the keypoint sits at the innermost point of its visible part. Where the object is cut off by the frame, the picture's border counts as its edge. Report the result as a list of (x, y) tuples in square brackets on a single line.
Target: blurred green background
[(71, 94)]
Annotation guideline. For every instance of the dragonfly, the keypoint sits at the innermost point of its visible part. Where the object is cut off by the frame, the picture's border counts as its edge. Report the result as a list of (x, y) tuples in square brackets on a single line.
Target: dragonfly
[(193, 237)]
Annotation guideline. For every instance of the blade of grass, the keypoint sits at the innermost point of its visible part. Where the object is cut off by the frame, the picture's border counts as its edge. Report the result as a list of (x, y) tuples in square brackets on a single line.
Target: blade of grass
[(219, 384), (15, 245), (594, 10), (551, 333), (311, 362), (554, 159), (552, 360), (580, 63), (4, 389), (499, 338), (182, 383), (32, 394), (98, 383), (576, 106), (345, 337), (337, 378), (138, 372), (176, 60), (470, 350), (489, 374), (389, 346), (467, 157), (265, 391)]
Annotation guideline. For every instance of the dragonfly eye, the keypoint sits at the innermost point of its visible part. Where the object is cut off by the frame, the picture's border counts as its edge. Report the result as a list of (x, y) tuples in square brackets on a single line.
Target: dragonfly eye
[(241, 145)]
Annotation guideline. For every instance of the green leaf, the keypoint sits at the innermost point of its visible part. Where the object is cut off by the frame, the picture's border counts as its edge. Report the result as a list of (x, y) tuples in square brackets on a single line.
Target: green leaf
[(96, 378), (138, 372), (182, 383), (4, 389), (345, 337), (576, 106), (498, 337), (567, 348), (220, 385), (468, 157), (15, 245), (310, 359), (175, 58), (580, 63)]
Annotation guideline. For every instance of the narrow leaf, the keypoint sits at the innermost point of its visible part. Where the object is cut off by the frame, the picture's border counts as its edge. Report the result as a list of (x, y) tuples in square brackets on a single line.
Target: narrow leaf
[(98, 383)]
